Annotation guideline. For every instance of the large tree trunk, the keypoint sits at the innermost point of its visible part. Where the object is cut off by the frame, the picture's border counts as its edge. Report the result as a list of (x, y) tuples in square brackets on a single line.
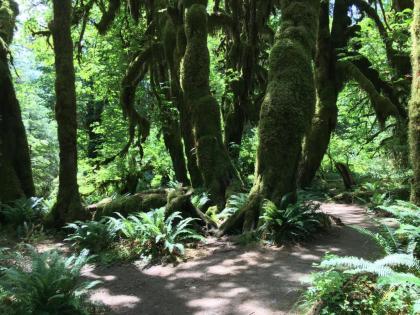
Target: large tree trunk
[(414, 107), (68, 206), (15, 164), (212, 157), (325, 120), (287, 109)]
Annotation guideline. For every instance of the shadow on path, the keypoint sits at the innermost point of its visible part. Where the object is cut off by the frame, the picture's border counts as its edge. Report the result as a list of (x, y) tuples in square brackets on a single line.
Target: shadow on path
[(230, 279)]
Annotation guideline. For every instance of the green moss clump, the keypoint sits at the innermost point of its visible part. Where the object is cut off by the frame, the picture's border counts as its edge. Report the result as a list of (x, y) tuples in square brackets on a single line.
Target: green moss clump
[(212, 157)]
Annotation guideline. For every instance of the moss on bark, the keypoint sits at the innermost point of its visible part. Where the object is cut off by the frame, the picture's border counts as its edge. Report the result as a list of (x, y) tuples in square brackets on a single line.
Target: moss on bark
[(68, 206), (212, 157), (414, 107), (325, 119), (15, 165), (174, 36), (286, 111)]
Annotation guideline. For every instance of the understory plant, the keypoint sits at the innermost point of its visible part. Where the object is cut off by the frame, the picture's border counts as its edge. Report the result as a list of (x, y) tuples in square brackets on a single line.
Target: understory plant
[(352, 285), (295, 223), (25, 216), (93, 235), (159, 238), (48, 284)]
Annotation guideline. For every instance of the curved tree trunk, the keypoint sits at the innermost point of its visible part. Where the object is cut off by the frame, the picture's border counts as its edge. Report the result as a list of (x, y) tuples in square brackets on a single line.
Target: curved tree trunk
[(287, 110), (414, 107), (212, 157), (325, 119), (174, 36), (15, 164), (68, 206)]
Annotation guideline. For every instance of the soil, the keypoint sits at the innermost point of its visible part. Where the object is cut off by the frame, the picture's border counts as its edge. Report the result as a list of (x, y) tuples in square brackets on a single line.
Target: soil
[(224, 278)]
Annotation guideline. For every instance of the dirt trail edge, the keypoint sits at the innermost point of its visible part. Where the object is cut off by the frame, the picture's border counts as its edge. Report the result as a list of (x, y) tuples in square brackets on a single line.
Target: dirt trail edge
[(228, 279)]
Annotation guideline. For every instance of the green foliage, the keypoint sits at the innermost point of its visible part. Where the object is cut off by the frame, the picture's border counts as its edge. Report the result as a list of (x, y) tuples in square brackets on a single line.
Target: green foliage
[(93, 235), (233, 205), (351, 285), (297, 222), (405, 212), (51, 285), (200, 199), (160, 238), (24, 215)]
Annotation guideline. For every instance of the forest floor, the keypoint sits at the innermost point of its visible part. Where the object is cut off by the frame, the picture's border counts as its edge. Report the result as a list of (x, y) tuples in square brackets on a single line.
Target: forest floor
[(224, 278)]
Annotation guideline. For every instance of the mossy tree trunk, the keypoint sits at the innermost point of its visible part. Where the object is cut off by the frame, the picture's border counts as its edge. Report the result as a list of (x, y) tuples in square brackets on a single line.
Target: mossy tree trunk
[(212, 157), (414, 107), (325, 119), (68, 206), (170, 123), (174, 37), (286, 111), (15, 165)]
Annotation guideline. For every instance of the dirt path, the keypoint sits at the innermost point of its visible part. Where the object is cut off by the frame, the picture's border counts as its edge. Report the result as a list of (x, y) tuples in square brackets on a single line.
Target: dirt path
[(229, 279)]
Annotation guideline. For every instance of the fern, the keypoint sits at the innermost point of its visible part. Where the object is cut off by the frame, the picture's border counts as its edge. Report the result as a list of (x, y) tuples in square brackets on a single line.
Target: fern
[(296, 222), (159, 237), (384, 268), (93, 235), (24, 215), (233, 205), (51, 286), (404, 211)]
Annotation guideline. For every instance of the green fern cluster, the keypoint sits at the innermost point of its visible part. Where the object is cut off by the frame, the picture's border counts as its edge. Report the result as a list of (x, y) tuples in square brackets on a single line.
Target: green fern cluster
[(385, 268), (93, 235), (159, 237), (148, 234), (233, 205), (405, 212), (49, 285), (295, 223), (352, 285), (25, 216)]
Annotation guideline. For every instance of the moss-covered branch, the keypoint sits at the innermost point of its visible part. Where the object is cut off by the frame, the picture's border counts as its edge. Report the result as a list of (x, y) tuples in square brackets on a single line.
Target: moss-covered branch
[(382, 105)]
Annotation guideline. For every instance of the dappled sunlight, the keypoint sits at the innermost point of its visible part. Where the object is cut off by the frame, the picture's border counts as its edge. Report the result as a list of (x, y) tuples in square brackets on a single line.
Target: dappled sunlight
[(226, 279)]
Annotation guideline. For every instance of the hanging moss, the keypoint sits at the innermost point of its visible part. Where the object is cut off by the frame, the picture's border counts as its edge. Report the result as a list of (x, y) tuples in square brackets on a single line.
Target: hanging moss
[(382, 105), (414, 107), (108, 16)]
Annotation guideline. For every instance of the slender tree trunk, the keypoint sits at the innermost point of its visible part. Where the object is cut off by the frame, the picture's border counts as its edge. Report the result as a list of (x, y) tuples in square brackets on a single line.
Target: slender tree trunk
[(94, 111), (325, 120), (212, 157), (15, 164), (174, 36), (68, 206), (414, 107)]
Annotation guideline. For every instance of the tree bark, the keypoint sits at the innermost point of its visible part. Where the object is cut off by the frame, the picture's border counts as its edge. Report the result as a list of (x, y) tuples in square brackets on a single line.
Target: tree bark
[(68, 206), (212, 157), (174, 36), (414, 107), (325, 119), (286, 111), (15, 164)]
